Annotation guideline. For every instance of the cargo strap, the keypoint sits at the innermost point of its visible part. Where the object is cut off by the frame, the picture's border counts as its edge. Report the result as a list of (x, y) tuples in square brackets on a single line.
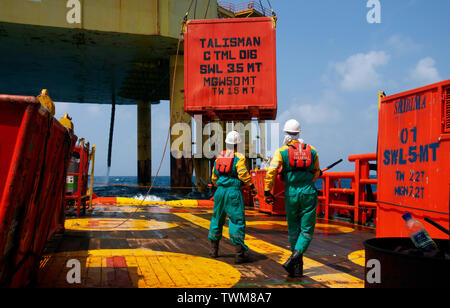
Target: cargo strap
[(274, 15)]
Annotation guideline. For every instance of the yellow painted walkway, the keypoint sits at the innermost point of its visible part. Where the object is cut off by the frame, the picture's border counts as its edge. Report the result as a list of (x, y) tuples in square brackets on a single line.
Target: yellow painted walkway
[(315, 270), (152, 246)]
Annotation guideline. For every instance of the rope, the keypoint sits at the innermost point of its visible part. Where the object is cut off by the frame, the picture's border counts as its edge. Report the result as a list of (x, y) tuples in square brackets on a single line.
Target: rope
[(412, 208), (140, 186), (195, 10), (169, 131), (187, 12), (271, 9), (207, 9)]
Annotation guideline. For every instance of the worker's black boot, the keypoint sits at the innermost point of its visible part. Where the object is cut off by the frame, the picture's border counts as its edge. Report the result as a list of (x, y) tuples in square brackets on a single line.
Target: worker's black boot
[(241, 255), (290, 264), (298, 271), (214, 250)]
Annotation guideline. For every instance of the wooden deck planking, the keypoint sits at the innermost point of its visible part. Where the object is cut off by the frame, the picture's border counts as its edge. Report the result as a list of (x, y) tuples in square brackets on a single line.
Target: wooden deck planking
[(327, 258)]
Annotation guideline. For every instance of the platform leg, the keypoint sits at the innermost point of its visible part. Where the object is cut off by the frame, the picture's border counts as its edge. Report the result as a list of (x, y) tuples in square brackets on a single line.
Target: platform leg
[(181, 169), (144, 143)]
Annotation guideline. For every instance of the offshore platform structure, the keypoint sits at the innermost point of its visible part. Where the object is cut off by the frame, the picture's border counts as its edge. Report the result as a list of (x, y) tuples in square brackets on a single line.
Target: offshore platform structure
[(109, 52), (98, 52)]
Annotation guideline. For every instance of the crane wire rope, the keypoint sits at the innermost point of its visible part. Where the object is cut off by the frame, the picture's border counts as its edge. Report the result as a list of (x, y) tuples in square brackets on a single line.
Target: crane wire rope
[(169, 130), (207, 9)]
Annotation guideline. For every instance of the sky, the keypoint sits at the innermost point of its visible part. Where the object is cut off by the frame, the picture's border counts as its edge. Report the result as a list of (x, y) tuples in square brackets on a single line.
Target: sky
[(331, 63)]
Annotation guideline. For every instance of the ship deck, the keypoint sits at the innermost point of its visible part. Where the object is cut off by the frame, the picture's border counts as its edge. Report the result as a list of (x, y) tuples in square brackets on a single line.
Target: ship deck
[(167, 247)]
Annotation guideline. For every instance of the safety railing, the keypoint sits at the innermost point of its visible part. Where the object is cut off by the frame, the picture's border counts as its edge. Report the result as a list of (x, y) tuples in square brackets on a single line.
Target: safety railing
[(77, 191), (242, 6), (358, 201)]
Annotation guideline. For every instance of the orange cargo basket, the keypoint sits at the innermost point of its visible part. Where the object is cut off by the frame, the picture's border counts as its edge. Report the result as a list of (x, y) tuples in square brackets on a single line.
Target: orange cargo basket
[(413, 159), (230, 69)]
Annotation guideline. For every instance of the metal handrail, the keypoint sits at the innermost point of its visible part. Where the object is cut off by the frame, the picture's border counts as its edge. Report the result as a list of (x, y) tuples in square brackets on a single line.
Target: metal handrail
[(243, 6), (359, 178)]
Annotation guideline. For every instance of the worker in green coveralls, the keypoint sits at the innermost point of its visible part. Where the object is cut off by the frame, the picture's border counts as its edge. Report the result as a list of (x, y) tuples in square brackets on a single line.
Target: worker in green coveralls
[(229, 174), (300, 170)]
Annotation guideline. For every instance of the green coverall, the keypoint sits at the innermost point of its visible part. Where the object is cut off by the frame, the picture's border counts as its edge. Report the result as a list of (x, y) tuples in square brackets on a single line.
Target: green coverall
[(228, 200), (300, 196)]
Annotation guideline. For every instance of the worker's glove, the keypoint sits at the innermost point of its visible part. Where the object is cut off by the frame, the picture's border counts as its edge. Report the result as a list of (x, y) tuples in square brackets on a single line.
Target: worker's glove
[(212, 188), (269, 198), (253, 191)]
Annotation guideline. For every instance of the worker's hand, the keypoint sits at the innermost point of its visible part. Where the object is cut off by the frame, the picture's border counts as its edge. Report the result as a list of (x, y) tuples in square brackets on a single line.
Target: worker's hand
[(253, 191), (212, 188), (269, 198)]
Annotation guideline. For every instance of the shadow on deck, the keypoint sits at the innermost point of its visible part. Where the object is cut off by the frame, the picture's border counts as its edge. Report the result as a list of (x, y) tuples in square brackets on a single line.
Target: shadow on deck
[(162, 247)]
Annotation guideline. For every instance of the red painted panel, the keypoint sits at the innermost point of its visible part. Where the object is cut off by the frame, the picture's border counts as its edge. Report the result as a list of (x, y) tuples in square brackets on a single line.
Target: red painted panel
[(35, 149), (413, 160), (279, 208), (230, 68), (116, 262), (9, 128)]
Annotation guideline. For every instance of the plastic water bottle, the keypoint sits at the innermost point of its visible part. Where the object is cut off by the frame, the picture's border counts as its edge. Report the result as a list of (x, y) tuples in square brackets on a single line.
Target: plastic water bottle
[(419, 234)]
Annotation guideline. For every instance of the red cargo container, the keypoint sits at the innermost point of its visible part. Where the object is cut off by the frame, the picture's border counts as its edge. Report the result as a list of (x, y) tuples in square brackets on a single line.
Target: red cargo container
[(414, 159), (279, 207), (230, 68), (34, 155)]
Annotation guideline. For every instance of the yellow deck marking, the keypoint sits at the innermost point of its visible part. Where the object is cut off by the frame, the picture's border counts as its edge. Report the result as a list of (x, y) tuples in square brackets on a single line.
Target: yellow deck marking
[(115, 208), (146, 269), (313, 269), (94, 272), (179, 204), (117, 225), (282, 226), (134, 273), (358, 257)]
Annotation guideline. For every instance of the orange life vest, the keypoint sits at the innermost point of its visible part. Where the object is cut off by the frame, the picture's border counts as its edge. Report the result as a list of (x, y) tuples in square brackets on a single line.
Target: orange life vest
[(300, 155), (224, 162)]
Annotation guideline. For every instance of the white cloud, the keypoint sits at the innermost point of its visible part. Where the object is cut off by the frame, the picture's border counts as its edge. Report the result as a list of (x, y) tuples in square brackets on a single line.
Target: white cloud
[(369, 114), (403, 44), (425, 71), (358, 72), (324, 109)]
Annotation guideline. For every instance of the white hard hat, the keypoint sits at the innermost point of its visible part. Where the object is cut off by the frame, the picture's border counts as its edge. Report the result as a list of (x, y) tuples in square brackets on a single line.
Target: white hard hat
[(293, 127), (233, 138)]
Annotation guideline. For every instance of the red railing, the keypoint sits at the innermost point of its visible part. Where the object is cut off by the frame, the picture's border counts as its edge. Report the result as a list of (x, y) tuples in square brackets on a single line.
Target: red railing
[(242, 6), (80, 196), (358, 201)]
